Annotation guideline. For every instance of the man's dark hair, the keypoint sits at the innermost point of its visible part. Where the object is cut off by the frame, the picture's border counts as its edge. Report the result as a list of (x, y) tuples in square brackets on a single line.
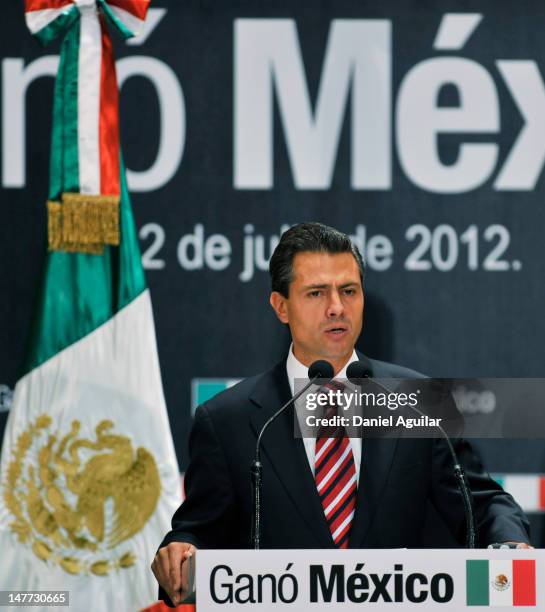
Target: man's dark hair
[(309, 237)]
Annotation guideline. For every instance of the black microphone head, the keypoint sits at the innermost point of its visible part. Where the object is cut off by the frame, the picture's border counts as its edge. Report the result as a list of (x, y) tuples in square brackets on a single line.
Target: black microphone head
[(358, 370), (321, 369)]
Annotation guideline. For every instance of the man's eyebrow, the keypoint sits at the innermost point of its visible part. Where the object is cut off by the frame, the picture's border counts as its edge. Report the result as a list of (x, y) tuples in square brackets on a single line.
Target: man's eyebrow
[(326, 285)]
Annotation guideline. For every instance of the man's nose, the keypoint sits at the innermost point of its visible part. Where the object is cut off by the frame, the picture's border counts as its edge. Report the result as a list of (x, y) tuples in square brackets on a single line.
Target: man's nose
[(335, 306)]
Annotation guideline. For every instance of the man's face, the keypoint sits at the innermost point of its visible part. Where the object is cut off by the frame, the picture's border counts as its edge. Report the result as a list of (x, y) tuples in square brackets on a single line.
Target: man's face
[(324, 309)]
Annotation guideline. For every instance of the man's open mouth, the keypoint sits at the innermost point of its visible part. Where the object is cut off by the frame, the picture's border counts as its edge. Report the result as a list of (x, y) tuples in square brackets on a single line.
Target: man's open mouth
[(336, 330)]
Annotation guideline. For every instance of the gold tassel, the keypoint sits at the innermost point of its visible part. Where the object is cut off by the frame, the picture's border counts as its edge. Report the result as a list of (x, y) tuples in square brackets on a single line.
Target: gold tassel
[(54, 225), (83, 223)]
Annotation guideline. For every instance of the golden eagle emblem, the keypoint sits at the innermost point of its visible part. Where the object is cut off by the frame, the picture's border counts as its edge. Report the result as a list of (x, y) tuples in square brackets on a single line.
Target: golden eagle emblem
[(501, 582), (71, 495)]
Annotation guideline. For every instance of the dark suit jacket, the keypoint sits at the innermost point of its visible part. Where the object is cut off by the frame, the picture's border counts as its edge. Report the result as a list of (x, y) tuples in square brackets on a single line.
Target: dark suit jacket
[(397, 478)]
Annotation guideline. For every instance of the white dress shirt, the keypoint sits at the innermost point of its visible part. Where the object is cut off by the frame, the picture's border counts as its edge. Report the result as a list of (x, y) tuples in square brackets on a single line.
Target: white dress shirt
[(295, 369)]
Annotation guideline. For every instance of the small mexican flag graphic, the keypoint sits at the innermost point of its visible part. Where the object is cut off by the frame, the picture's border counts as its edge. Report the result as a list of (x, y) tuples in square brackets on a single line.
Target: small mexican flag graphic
[(501, 583)]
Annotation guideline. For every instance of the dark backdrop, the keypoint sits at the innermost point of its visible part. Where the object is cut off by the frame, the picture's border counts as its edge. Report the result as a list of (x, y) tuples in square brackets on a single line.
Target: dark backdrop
[(467, 303)]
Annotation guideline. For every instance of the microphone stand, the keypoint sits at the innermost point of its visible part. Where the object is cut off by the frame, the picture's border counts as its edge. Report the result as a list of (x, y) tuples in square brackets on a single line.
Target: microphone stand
[(463, 486), (459, 475), (256, 469)]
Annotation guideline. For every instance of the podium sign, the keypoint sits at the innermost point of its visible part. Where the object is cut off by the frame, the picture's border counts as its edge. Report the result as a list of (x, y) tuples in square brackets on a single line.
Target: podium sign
[(378, 579)]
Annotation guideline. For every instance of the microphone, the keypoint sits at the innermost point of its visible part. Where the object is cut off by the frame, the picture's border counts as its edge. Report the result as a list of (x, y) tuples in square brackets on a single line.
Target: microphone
[(318, 370), (359, 370), (321, 369)]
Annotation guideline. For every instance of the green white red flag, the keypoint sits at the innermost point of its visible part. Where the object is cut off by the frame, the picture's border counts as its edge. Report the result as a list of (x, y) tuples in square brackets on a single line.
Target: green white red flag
[(88, 475), (501, 582)]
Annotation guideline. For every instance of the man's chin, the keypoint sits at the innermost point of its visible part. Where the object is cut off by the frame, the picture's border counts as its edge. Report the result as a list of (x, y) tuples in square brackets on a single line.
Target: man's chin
[(338, 353), (338, 346)]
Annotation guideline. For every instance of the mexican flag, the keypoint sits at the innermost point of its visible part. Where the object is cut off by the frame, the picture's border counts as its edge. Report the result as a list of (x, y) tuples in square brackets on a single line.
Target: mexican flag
[(501, 582), (88, 476)]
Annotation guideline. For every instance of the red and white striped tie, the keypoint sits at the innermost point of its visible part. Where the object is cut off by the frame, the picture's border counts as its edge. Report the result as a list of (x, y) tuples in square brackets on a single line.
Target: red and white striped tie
[(335, 475)]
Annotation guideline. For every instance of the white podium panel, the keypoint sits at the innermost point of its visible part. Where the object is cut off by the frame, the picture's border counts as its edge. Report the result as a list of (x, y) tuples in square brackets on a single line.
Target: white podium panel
[(378, 579)]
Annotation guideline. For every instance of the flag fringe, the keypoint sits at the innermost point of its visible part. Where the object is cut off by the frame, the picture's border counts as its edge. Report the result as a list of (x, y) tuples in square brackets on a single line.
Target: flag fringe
[(83, 223)]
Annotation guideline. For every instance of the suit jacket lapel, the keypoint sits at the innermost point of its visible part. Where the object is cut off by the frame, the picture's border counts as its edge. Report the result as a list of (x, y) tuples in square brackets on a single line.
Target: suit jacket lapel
[(286, 454), (376, 460), (377, 455)]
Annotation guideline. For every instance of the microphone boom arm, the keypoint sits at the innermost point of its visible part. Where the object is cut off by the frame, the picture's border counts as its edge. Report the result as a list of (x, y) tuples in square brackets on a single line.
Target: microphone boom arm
[(362, 370), (318, 370)]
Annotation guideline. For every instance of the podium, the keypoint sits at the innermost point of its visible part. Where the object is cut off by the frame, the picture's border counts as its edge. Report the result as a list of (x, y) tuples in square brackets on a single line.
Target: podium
[(375, 579)]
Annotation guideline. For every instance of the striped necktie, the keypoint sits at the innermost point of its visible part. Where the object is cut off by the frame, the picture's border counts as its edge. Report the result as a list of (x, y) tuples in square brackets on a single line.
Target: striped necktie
[(335, 474)]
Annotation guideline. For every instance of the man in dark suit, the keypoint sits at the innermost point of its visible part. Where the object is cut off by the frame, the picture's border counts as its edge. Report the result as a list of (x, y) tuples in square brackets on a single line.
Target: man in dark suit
[(369, 493)]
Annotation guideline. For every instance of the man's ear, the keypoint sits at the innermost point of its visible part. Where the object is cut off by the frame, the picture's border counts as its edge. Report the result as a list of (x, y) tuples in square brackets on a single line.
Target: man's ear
[(278, 302)]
